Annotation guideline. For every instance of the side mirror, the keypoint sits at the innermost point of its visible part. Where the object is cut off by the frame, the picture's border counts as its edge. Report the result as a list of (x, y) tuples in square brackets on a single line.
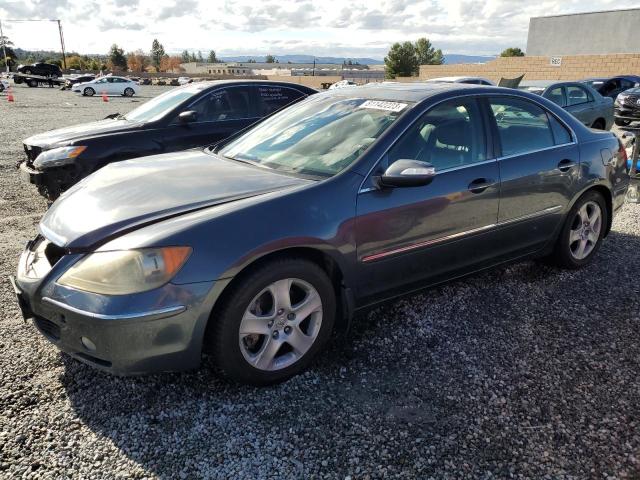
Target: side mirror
[(189, 116), (407, 173)]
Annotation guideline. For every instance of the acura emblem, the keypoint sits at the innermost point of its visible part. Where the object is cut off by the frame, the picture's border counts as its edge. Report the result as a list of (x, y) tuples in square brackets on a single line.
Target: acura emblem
[(638, 101)]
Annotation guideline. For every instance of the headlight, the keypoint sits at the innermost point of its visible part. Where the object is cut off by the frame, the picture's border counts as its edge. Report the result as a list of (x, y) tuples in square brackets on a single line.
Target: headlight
[(125, 271), (57, 156)]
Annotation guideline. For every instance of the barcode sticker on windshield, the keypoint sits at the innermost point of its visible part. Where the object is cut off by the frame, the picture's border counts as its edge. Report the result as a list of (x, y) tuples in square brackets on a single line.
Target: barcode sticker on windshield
[(381, 105)]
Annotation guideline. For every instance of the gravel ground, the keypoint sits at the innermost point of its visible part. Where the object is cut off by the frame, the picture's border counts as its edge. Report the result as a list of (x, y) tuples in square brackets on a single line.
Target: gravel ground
[(522, 372)]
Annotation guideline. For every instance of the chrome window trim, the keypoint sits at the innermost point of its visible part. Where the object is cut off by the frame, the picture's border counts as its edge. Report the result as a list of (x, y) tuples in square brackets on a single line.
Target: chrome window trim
[(574, 137), (529, 152), (465, 233), (152, 314)]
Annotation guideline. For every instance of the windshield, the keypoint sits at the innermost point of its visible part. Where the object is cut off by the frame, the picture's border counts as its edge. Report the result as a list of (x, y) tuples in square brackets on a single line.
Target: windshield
[(320, 136), (158, 107)]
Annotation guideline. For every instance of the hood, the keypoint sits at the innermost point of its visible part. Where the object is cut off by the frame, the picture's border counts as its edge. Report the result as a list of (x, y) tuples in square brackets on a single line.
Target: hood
[(62, 136), (127, 195)]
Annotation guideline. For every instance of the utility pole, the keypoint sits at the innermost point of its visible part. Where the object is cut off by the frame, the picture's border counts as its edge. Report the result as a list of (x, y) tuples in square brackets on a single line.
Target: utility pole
[(313, 74), (64, 58), (4, 50)]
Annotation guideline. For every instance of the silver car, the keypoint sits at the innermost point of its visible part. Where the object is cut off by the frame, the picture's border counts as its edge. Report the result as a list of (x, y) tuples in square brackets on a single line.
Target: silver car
[(579, 99)]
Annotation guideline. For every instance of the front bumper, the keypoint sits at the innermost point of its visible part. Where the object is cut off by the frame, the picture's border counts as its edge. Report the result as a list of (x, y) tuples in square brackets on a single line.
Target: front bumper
[(156, 331), (31, 175), (627, 113)]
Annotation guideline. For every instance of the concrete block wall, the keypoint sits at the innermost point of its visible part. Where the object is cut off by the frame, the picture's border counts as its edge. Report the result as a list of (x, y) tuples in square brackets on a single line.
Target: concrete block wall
[(573, 67)]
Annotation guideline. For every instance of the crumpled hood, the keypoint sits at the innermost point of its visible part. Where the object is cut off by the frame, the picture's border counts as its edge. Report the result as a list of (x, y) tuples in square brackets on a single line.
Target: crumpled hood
[(127, 195), (62, 136)]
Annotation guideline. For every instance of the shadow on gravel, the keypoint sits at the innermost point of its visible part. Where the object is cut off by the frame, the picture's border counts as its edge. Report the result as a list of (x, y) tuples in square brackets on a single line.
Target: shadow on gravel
[(523, 370)]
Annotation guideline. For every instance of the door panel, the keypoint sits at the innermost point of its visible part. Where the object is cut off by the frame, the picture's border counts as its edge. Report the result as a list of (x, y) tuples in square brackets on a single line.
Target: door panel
[(413, 234), (538, 171)]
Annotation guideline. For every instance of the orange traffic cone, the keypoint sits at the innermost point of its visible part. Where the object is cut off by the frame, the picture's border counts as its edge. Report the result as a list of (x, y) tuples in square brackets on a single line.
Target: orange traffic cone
[(10, 95), (104, 97)]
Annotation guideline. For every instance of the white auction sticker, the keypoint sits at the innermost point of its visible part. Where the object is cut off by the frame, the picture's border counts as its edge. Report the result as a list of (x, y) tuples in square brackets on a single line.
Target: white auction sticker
[(382, 105)]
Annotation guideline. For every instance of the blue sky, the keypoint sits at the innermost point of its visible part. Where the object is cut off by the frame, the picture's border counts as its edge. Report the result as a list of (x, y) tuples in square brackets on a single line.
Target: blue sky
[(257, 27)]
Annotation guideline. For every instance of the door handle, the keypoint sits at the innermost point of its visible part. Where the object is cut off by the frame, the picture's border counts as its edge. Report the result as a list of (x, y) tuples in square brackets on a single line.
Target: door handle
[(479, 185), (566, 164)]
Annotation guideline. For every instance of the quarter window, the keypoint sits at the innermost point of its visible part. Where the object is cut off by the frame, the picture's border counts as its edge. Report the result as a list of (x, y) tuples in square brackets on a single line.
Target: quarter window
[(449, 135), (522, 126)]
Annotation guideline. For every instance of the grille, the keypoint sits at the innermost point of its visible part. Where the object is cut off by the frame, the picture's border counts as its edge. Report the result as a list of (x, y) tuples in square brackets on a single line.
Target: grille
[(48, 328), (32, 153), (53, 253), (631, 99)]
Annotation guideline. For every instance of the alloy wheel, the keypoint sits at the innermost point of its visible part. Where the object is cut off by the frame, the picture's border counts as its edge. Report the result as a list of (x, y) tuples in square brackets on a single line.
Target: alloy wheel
[(280, 324), (585, 230)]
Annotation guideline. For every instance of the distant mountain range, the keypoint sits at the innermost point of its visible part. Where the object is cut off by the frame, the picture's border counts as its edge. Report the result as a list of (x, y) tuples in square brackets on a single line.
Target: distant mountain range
[(451, 58)]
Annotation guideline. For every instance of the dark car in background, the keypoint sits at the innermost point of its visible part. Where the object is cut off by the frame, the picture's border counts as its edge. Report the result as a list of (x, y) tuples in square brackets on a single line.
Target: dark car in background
[(71, 81), (41, 69), (257, 248), (186, 117), (612, 86), (579, 99), (627, 107)]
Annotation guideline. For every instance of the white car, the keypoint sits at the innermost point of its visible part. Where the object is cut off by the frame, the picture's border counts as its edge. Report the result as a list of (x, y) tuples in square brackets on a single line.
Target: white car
[(109, 85), (184, 80), (471, 80), (4, 84), (343, 84)]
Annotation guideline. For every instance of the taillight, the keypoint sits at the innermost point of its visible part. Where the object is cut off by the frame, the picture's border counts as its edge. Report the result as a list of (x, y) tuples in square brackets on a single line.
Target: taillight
[(622, 152)]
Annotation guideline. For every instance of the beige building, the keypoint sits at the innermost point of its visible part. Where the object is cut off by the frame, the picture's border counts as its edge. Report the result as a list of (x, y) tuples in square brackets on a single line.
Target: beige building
[(195, 68)]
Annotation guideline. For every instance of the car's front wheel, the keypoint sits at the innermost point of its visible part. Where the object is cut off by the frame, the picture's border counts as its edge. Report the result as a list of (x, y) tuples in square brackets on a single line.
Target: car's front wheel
[(128, 92), (273, 322), (583, 231), (88, 92)]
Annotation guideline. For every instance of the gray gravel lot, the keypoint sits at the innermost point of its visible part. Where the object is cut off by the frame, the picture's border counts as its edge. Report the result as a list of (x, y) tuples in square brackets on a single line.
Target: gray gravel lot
[(522, 372)]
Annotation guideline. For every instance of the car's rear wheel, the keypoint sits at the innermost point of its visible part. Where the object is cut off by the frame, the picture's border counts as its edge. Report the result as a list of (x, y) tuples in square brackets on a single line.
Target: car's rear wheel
[(583, 231), (599, 124), (274, 322), (27, 71), (128, 92), (32, 83), (88, 92), (1, 87), (622, 123)]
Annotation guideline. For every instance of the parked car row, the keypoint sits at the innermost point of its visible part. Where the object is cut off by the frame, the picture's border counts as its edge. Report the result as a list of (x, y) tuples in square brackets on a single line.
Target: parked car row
[(258, 246)]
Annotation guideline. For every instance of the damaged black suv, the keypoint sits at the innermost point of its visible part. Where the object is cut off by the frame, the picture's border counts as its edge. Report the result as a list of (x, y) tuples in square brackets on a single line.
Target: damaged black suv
[(195, 115), (627, 107)]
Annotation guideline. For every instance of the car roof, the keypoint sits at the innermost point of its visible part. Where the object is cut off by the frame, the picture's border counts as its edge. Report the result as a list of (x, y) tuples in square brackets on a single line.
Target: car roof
[(456, 79), (214, 83), (411, 92)]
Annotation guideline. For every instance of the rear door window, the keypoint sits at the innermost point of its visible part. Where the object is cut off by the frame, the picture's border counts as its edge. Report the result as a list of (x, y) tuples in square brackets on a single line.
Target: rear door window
[(272, 98), (223, 104), (522, 126), (577, 95), (556, 96)]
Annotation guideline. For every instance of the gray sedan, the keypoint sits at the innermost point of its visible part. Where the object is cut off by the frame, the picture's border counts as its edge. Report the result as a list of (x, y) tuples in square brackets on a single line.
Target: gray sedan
[(257, 248), (579, 99)]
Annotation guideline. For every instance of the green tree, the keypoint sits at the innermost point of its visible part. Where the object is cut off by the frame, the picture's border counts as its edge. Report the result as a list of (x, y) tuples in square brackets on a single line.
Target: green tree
[(192, 58), (157, 53), (212, 57), (427, 54), (185, 56), (117, 60), (8, 49), (401, 60), (512, 52), (270, 59), (200, 58)]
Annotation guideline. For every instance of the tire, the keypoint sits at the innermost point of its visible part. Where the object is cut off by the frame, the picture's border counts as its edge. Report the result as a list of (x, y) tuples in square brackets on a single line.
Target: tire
[(27, 71), (1, 88), (582, 229), (599, 124), (622, 123), (129, 92), (266, 358), (32, 83), (88, 92)]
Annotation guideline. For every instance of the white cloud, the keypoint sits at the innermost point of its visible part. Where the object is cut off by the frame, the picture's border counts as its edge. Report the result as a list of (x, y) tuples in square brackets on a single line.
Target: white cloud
[(332, 27)]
